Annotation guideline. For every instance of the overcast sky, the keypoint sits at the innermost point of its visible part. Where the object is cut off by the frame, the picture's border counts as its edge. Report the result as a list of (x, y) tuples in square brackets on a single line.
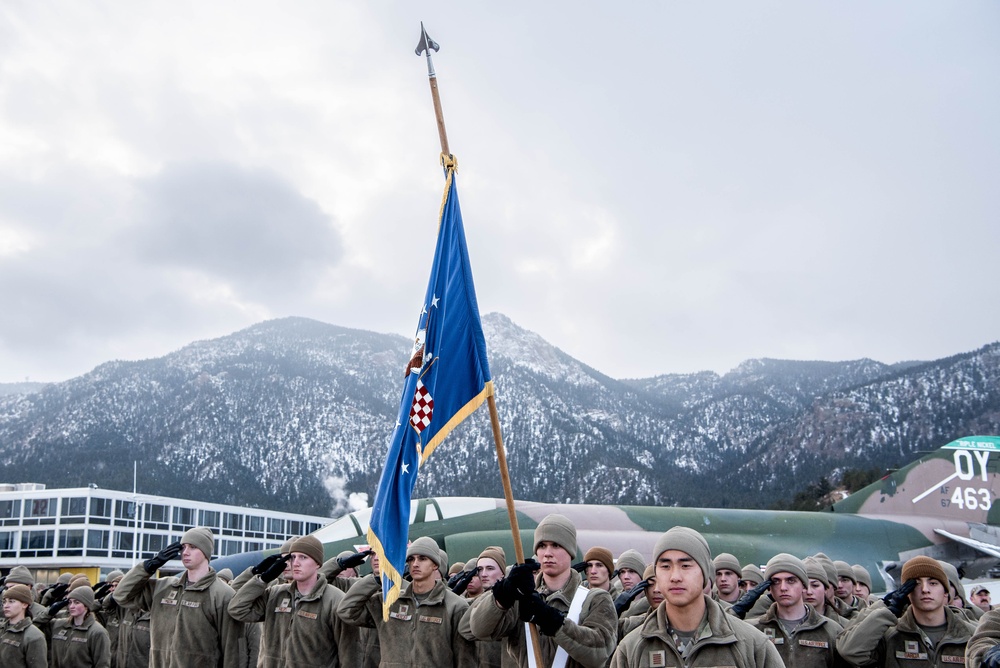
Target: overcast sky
[(653, 187)]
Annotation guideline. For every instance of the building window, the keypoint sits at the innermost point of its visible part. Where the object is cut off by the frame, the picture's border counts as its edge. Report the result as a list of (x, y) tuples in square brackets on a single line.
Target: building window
[(40, 510), (209, 518), (153, 543), (122, 544), (100, 510), (156, 513), (254, 546), (312, 526), (231, 547), (255, 523), (97, 542), (8, 544), (275, 528), (295, 527), (10, 511), (124, 513), (183, 518), (71, 542), (37, 543), (74, 507)]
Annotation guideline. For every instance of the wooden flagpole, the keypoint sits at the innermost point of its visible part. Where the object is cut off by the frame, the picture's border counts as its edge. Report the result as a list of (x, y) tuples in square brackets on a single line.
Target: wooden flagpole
[(427, 45)]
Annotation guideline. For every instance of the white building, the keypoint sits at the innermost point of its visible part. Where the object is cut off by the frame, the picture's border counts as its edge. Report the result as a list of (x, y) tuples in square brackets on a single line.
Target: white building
[(94, 531)]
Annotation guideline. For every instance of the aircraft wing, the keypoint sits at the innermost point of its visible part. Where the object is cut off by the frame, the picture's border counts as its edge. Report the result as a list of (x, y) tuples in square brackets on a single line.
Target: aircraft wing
[(985, 548)]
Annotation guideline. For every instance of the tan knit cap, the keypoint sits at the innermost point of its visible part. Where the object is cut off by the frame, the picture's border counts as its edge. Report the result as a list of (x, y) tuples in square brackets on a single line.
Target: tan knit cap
[(309, 546), (861, 575), (19, 592), (786, 563), (631, 559), (603, 555), (79, 580), (924, 567), (728, 562), (752, 573), (497, 554), (425, 546), (84, 595)]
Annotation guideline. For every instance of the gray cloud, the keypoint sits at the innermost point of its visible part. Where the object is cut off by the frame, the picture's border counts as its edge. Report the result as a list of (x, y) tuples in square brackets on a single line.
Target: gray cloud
[(248, 228)]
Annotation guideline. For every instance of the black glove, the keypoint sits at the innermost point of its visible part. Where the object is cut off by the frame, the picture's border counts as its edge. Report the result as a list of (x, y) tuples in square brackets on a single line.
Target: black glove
[(580, 566), (898, 599), (535, 610), (271, 567), (163, 556), (626, 597), (354, 560), (57, 606), (101, 589), (747, 600), (518, 585), (991, 658), (459, 582), (59, 590)]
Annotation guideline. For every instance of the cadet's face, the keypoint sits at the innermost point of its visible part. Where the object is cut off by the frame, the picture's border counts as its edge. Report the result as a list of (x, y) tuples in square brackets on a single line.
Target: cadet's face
[(727, 581), (489, 572), (747, 585), (597, 575), (845, 588), (76, 609), (786, 590), (861, 590), (554, 558), (192, 557), (628, 578), (653, 594), (815, 595), (14, 610), (303, 567), (422, 569), (929, 595), (475, 587), (679, 578)]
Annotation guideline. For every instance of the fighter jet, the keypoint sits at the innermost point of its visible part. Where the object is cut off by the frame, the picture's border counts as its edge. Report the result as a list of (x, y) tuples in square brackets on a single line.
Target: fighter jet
[(941, 505)]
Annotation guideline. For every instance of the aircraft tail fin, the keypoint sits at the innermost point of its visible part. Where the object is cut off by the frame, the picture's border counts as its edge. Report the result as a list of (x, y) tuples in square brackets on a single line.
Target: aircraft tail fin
[(959, 481)]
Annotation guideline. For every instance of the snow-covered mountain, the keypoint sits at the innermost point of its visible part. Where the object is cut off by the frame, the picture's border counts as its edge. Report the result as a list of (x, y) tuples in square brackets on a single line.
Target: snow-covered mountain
[(295, 414)]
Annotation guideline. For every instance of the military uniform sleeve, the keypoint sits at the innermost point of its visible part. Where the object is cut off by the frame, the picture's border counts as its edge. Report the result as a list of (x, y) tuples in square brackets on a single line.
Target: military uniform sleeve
[(986, 636), (591, 642), (249, 604), (135, 590), (463, 647), (242, 578), (230, 630), (860, 643), (252, 634), (355, 607), (488, 621)]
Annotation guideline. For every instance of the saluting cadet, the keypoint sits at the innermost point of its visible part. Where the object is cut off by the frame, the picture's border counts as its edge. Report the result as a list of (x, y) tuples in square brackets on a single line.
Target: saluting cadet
[(804, 638), (816, 588), (79, 641), (689, 628), (300, 618), (927, 633), (577, 625), (422, 629), (490, 567), (22, 645), (190, 626)]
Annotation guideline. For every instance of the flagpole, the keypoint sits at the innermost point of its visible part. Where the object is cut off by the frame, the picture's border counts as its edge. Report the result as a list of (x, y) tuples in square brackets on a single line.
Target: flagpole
[(428, 45)]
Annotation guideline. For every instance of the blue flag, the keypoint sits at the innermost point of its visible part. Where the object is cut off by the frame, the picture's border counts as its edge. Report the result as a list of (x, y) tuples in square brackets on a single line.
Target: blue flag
[(447, 378)]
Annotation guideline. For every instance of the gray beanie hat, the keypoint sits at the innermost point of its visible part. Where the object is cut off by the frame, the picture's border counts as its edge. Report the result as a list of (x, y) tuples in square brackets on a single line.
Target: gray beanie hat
[(64, 578), (861, 575), (844, 570), (831, 570), (815, 570), (427, 547), (752, 573), (20, 575), (84, 595), (691, 543), (114, 576), (954, 580), (559, 530), (202, 538), (443, 564), (633, 560), (786, 563), (226, 575), (726, 561), (20, 592)]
